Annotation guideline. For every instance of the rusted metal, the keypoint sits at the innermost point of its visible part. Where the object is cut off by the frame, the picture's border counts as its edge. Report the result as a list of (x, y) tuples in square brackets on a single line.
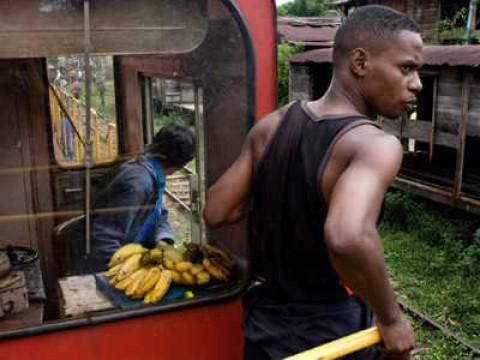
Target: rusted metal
[(438, 55), (313, 31), (462, 133), (419, 315)]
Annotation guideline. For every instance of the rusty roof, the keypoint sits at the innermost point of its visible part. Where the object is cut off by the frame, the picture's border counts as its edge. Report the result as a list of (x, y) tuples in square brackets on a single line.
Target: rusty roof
[(309, 31), (437, 55)]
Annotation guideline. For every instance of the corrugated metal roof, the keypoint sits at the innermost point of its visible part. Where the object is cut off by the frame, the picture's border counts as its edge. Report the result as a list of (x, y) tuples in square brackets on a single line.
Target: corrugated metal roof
[(310, 31), (451, 55)]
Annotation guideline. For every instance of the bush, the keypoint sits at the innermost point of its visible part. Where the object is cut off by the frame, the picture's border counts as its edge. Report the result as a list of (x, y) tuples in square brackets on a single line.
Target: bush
[(284, 51), (447, 232)]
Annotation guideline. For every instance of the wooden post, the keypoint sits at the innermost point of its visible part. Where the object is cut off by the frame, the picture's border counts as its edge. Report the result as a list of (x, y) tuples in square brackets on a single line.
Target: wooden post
[(462, 132), (434, 120)]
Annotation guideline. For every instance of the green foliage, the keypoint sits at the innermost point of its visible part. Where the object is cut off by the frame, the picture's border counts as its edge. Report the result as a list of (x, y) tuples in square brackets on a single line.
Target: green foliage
[(304, 8), (284, 51), (449, 233), (453, 30), (173, 116)]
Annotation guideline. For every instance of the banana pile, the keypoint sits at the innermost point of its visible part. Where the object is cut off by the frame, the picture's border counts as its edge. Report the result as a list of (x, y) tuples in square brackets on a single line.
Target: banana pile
[(148, 274)]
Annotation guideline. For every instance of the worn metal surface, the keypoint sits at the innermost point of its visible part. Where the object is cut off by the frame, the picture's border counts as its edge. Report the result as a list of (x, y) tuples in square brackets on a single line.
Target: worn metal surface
[(437, 55), (311, 31)]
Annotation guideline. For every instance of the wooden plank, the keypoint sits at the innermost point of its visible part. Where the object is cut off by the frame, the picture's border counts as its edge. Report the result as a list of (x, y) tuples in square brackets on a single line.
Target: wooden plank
[(420, 131), (79, 295), (462, 135), (434, 120)]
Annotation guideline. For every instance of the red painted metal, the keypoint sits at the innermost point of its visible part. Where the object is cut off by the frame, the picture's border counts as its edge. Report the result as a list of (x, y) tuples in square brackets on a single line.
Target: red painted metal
[(262, 21), (203, 333), (209, 332)]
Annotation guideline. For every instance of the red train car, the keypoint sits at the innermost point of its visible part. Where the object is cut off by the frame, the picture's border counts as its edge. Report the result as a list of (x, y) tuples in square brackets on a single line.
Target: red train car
[(84, 84)]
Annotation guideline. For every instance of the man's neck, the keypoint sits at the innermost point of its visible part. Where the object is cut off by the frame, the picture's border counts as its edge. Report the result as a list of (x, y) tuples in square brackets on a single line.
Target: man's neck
[(341, 100)]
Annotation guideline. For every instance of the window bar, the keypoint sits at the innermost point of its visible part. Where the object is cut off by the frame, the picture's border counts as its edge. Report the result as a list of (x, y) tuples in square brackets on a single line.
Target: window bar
[(88, 134)]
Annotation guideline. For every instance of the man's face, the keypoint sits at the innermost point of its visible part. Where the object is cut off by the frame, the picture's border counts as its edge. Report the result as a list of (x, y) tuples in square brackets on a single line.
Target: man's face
[(392, 83)]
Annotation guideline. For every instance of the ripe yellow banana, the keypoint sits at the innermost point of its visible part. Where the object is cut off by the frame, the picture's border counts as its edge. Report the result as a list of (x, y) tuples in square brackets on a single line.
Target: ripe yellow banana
[(124, 253), (220, 256), (183, 266), (148, 281), (169, 252), (216, 270), (187, 278), (202, 278), (196, 268), (123, 284), (169, 264), (156, 254), (113, 271), (134, 285), (128, 267), (160, 289), (176, 277)]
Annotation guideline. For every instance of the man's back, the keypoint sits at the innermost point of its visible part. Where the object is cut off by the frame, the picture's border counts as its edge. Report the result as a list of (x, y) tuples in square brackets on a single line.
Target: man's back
[(289, 210)]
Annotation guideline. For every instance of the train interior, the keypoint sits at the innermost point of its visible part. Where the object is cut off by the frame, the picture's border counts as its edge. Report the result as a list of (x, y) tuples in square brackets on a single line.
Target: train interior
[(84, 88)]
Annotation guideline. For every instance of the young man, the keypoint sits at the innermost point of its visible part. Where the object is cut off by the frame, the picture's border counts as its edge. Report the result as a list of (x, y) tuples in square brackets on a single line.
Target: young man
[(130, 208), (316, 174)]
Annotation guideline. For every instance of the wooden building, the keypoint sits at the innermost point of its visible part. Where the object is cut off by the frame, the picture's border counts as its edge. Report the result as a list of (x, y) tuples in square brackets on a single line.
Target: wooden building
[(428, 13), (309, 32), (442, 138)]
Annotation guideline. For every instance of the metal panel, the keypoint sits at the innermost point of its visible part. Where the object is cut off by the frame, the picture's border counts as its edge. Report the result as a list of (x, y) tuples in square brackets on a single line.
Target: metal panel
[(30, 28)]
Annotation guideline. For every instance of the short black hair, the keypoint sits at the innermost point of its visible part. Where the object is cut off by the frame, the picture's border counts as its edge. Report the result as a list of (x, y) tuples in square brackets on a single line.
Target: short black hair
[(367, 25), (174, 145)]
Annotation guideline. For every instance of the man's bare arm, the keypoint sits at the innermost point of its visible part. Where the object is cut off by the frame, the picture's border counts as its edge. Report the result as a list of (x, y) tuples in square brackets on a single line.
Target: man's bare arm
[(228, 198), (352, 239), (227, 201)]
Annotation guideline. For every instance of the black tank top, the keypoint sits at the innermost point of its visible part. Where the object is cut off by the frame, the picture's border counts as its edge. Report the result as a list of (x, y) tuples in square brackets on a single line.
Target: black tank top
[(289, 211)]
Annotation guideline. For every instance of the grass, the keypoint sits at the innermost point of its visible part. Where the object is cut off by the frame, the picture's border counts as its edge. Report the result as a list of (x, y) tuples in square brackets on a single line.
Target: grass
[(432, 260)]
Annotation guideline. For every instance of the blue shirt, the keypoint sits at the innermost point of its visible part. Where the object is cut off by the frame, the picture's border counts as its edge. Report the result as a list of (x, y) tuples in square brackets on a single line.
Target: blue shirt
[(127, 201)]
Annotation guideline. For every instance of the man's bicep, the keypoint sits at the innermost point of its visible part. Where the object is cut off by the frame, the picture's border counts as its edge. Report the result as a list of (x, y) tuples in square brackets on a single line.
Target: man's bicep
[(357, 196)]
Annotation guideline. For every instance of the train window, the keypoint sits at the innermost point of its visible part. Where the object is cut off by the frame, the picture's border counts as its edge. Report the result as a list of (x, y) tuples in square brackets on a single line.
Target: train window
[(67, 101), (139, 68), (167, 101)]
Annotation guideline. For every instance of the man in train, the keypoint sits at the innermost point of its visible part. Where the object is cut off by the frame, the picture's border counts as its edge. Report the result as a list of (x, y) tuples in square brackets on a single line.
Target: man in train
[(314, 175), (131, 207)]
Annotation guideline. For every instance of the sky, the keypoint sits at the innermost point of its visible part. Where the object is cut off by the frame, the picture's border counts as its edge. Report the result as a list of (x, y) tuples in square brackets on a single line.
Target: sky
[(280, 2)]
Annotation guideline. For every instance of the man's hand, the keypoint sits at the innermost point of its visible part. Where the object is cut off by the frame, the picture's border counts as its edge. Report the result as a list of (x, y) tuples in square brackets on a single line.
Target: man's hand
[(398, 338)]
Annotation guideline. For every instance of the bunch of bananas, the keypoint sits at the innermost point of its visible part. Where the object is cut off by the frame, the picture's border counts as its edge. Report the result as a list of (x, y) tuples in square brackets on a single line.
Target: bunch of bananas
[(133, 270), (143, 273)]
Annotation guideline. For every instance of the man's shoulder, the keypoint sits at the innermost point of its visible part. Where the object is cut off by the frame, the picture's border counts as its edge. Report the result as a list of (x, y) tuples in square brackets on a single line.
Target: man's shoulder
[(264, 128), (135, 173)]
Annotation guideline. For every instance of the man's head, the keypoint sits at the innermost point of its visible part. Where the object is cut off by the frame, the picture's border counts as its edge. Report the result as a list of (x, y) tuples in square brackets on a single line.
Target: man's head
[(378, 51), (174, 146)]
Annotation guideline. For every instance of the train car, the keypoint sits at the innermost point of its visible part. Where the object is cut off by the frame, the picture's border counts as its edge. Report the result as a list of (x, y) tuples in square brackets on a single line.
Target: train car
[(84, 85)]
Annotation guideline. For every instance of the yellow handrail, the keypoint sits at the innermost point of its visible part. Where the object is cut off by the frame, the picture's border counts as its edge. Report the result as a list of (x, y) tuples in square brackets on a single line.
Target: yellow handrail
[(341, 347)]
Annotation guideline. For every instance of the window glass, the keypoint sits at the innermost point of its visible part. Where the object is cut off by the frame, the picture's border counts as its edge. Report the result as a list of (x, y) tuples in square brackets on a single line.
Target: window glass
[(66, 77), (186, 65)]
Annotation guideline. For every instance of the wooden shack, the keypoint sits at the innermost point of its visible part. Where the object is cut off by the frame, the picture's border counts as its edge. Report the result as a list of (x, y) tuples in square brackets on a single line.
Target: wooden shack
[(441, 138), (428, 13)]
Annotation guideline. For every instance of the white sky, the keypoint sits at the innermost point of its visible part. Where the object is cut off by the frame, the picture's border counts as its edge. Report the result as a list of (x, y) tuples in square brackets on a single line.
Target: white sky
[(280, 2)]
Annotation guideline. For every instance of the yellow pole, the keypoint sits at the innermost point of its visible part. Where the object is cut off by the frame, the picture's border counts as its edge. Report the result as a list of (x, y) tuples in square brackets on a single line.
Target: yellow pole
[(341, 347)]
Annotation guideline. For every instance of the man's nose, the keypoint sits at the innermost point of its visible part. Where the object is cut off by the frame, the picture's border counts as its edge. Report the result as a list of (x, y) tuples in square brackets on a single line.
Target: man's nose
[(415, 83)]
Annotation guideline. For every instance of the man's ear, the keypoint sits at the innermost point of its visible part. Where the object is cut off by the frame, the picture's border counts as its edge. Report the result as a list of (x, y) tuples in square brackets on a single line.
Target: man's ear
[(359, 61)]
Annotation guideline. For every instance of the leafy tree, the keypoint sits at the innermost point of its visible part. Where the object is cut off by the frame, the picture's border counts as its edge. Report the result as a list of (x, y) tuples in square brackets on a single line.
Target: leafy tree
[(284, 51), (304, 8)]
